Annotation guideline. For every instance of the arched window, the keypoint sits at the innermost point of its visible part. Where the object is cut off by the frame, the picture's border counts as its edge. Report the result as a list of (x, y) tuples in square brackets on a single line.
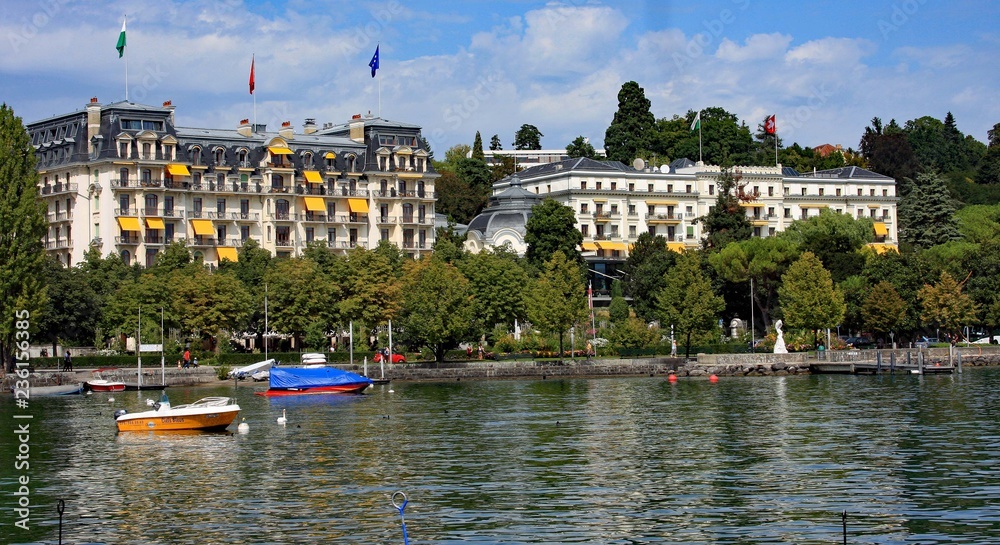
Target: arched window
[(242, 157), (126, 257), (220, 157), (277, 181), (152, 200), (352, 163), (195, 155), (307, 159)]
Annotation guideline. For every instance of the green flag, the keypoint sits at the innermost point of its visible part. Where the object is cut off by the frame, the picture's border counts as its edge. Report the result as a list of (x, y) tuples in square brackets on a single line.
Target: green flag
[(121, 41), (695, 125)]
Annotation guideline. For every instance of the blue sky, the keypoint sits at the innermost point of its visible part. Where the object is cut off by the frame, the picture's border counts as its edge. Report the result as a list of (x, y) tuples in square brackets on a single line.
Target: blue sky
[(454, 68)]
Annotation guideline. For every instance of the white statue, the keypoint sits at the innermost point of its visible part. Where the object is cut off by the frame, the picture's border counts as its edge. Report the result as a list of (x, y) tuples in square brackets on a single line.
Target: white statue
[(779, 344)]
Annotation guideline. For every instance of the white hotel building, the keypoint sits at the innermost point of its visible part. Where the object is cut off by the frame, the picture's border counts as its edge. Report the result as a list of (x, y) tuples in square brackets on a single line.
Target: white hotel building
[(124, 179), (614, 203)]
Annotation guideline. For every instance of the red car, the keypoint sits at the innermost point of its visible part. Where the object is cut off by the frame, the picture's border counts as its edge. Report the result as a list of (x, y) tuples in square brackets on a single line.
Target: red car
[(396, 358)]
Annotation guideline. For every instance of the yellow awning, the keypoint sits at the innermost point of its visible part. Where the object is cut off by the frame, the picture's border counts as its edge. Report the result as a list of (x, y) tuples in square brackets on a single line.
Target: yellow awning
[(315, 204), (330, 155), (276, 150), (655, 202), (607, 245), (589, 247), (313, 177), (228, 253), (358, 206), (178, 170), (881, 248), (203, 227), (880, 229), (675, 246), (155, 223), (752, 204), (129, 224), (815, 205)]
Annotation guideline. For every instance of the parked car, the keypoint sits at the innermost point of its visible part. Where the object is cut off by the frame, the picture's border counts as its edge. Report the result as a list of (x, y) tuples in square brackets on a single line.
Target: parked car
[(860, 342), (396, 358)]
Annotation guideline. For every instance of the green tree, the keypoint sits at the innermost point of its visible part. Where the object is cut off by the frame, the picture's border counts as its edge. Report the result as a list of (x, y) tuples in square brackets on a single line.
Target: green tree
[(211, 304), (644, 269), (552, 228), (631, 130), (926, 213), (528, 137), (175, 256), (765, 144), (320, 253), (497, 283), (906, 272), (477, 148), (369, 284), (943, 305), (300, 294), (437, 306), (452, 156), (727, 221), (495, 144), (835, 239), (887, 151), (979, 223), (22, 227), (72, 310), (580, 147), (856, 290), (618, 310), (989, 167), (764, 260), (883, 309), (557, 300), (456, 199), (633, 333), (687, 301), (809, 299)]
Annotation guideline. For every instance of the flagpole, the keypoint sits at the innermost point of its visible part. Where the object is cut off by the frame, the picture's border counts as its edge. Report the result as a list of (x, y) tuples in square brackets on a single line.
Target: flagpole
[(700, 160), (379, 89), (776, 145), (125, 49)]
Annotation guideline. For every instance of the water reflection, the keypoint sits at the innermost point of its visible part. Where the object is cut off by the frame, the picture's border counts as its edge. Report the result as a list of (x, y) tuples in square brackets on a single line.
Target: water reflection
[(761, 460)]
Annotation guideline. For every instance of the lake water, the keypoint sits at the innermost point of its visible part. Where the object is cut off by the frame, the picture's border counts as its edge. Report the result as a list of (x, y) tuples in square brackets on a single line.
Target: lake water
[(612, 460)]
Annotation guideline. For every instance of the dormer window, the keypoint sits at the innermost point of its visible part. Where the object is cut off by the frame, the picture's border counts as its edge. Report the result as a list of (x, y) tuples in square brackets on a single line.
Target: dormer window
[(220, 157), (241, 156)]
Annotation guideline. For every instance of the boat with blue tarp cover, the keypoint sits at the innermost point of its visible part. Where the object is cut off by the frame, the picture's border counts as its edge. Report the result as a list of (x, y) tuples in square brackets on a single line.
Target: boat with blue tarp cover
[(317, 380)]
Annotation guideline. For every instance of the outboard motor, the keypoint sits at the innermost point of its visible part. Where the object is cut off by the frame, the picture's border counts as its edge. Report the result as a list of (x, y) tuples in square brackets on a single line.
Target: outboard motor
[(120, 412)]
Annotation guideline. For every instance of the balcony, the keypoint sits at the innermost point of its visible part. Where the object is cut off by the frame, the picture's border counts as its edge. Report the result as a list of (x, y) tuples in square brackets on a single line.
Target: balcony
[(281, 216), (411, 245), (244, 216), (60, 216), (152, 211), (57, 244), (128, 239), (311, 216), (56, 189), (386, 194), (283, 243), (385, 220), (195, 214), (126, 211), (673, 217), (154, 239), (126, 183), (199, 240)]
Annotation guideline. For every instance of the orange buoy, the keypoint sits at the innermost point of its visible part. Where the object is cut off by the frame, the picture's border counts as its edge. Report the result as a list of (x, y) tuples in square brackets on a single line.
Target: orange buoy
[(672, 378), (713, 378)]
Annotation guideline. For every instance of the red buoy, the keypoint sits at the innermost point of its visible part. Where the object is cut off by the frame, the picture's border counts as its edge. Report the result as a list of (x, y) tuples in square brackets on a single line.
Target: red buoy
[(713, 378), (672, 378)]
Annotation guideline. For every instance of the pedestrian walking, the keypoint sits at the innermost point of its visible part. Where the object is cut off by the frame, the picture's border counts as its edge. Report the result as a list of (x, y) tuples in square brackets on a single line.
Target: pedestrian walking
[(67, 362)]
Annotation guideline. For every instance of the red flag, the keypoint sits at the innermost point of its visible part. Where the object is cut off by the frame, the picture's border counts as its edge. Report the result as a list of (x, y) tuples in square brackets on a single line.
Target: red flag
[(251, 74), (770, 125)]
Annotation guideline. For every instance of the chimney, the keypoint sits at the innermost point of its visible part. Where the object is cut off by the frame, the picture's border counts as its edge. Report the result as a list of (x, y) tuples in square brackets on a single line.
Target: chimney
[(170, 106), (286, 131), (357, 128), (93, 121), (245, 129), (310, 126)]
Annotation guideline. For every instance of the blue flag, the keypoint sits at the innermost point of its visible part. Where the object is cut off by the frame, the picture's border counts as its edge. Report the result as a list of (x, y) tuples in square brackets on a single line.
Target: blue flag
[(374, 62)]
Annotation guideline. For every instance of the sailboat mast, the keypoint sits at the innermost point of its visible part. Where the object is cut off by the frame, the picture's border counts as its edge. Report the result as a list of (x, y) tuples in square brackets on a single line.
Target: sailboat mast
[(138, 349)]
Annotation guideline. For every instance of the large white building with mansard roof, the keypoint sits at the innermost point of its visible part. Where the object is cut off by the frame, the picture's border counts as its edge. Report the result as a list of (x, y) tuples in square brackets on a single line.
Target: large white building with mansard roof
[(125, 179), (615, 203)]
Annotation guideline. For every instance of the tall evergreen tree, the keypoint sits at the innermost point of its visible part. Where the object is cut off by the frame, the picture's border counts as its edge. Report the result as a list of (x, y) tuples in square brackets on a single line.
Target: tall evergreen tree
[(727, 221), (528, 137), (580, 147), (926, 214), (22, 226), (647, 263), (631, 130), (495, 144), (989, 167), (887, 150), (477, 148)]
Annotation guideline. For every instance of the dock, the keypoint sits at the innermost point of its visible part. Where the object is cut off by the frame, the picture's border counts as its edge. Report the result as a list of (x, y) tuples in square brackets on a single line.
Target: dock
[(877, 362)]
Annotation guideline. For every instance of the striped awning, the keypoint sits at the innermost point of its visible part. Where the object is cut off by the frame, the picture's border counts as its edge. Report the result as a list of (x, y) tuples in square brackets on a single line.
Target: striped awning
[(203, 227), (227, 253), (312, 176), (315, 204), (358, 206), (129, 224)]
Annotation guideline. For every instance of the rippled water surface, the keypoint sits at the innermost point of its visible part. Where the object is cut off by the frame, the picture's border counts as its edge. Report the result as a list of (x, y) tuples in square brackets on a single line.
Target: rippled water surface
[(638, 460)]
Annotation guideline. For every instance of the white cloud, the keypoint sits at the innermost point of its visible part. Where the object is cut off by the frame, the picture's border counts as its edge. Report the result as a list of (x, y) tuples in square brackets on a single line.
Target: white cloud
[(935, 58), (835, 51), (757, 47)]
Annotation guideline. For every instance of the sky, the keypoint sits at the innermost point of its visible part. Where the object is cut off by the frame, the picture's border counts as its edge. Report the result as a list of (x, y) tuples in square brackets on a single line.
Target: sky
[(823, 68)]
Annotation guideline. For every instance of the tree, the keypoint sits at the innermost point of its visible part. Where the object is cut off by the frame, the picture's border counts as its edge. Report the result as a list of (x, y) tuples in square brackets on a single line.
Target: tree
[(943, 305), (497, 283), (495, 144), (455, 199), (477, 148), (175, 256), (300, 294), (528, 137), (644, 269), (580, 147), (73, 307), (887, 151), (727, 221), (22, 227), (926, 214), (437, 306), (557, 300), (452, 156), (631, 130), (211, 304), (989, 168), (906, 273), (835, 239), (618, 310), (883, 309), (552, 228), (766, 144), (809, 299), (369, 283), (687, 301), (764, 260)]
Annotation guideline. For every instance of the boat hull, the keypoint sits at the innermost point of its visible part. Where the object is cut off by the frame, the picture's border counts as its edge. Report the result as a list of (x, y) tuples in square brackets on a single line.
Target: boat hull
[(62, 390), (338, 389), (105, 386), (218, 419), (144, 387)]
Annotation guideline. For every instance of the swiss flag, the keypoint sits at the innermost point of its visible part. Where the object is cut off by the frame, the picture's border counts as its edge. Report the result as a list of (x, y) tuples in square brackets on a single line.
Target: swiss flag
[(770, 126), (251, 74)]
